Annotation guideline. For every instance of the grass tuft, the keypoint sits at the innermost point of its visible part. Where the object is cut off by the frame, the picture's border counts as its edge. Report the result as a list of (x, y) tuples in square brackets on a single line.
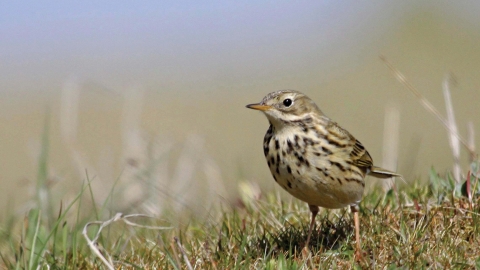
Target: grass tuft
[(423, 227)]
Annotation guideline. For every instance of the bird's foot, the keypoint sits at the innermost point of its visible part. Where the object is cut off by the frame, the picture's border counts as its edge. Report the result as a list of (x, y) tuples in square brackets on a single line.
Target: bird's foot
[(305, 251), (358, 255)]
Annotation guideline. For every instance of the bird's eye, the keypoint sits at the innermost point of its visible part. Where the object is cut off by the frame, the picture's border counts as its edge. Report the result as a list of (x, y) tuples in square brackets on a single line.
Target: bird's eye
[(287, 102)]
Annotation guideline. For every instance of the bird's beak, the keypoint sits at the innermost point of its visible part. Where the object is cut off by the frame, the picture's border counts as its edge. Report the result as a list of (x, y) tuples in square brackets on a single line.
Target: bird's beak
[(258, 106)]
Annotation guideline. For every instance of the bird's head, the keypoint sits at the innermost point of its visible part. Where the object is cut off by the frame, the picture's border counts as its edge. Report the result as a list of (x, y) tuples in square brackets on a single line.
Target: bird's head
[(286, 106)]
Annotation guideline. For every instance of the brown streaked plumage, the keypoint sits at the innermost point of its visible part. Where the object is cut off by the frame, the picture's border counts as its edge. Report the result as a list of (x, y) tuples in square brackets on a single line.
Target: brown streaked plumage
[(312, 157)]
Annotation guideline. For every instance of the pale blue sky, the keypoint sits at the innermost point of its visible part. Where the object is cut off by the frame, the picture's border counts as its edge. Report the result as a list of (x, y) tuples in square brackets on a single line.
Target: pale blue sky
[(124, 42)]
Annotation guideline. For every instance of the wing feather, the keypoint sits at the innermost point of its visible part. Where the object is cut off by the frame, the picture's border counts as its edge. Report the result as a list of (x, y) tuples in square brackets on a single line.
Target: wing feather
[(348, 148), (352, 148)]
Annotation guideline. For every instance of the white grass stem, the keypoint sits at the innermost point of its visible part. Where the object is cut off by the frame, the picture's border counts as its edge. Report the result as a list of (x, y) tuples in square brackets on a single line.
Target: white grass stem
[(426, 104), (92, 243), (452, 127), (69, 105), (390, 143), (184, 254), (133, 143)]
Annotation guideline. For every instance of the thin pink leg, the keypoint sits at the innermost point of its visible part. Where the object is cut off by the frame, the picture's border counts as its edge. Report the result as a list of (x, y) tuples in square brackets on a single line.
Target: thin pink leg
[(314, 210)]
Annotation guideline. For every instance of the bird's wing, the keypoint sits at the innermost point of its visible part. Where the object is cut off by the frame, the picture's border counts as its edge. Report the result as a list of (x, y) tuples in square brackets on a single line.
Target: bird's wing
[(360, 156), (363, 160), (350, 147), (353, 150)]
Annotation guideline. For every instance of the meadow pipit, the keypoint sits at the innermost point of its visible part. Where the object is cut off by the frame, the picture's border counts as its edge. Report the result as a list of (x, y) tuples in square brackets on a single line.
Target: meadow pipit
[(313, 158)]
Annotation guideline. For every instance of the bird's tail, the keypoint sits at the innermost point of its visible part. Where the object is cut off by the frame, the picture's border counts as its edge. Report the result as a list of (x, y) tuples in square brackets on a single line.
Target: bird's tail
[(382, 173)]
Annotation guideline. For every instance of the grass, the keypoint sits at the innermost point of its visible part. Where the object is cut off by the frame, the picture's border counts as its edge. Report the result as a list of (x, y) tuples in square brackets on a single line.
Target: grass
[(423, 226)]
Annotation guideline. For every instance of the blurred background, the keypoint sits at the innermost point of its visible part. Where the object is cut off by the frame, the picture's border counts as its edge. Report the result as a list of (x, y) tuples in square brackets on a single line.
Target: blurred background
[(147, 100)]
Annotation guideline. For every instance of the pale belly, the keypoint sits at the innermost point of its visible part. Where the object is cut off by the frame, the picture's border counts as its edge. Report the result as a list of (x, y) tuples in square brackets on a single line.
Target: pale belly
[(311, 188), (314, 179)]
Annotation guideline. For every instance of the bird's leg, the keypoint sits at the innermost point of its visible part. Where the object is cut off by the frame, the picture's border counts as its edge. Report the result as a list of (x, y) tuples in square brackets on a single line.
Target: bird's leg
[(358, 249), (314, 210)]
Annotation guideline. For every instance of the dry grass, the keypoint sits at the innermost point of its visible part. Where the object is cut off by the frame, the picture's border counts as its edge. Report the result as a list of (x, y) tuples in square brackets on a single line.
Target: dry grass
[(425, 226)]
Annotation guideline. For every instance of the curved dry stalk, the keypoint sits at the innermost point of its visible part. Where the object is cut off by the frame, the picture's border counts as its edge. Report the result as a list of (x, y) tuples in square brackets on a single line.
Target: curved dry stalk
[(403, 80), (92, 243)]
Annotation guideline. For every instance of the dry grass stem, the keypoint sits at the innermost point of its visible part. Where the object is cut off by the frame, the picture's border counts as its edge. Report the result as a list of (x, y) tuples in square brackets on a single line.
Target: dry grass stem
[(93, 243), (471, 137), (403, 80), (184, 254), (390, 143), (453, 140)]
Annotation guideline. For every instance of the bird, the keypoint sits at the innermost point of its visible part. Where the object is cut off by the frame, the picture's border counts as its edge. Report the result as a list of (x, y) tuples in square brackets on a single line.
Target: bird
[(313, 158)]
